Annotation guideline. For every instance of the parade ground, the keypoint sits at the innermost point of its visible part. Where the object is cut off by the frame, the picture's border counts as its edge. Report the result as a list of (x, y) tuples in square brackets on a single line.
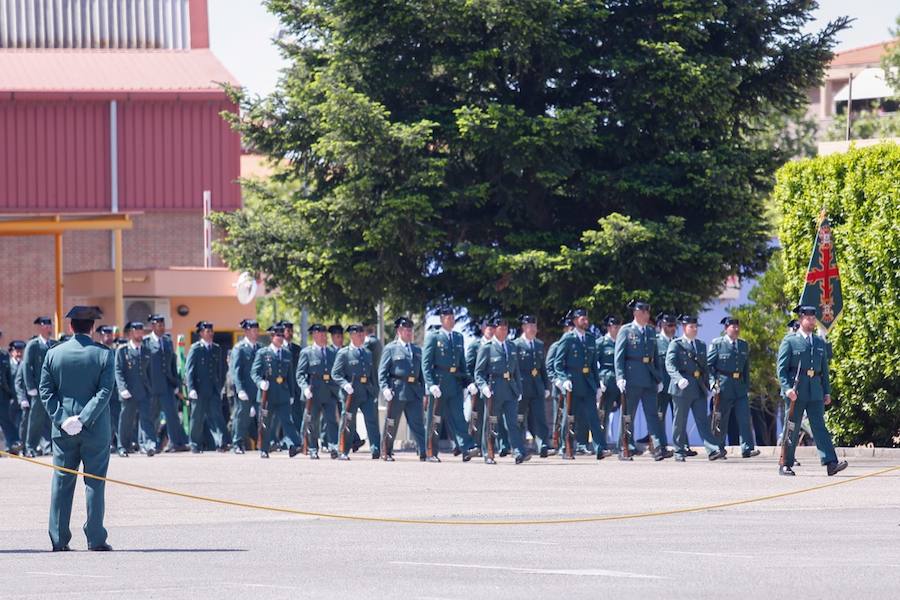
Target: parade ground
[(836, 541)]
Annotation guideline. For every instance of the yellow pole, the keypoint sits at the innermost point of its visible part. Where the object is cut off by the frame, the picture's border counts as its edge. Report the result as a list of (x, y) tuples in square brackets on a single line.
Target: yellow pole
[(119, 292), (59, 284)]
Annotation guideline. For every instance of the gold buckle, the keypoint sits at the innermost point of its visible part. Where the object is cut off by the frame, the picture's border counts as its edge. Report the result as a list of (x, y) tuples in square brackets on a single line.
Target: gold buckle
[(645, 360), (410, 380), (453, 369), (363, 379), (326, 377), (810, 373), (506, 375), (279, 380), (696, 374), (585, 370), (534, 372), (735, 375)]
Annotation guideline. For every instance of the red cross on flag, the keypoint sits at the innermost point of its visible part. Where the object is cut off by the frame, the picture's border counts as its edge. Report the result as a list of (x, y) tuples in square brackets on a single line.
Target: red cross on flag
[(823, 281)]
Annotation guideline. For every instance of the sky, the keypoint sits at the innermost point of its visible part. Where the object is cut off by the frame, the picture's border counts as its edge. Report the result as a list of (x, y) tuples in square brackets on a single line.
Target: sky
[(241, 34)]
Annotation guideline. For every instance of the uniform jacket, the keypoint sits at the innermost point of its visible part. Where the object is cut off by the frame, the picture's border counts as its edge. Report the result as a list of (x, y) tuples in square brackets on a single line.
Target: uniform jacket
[(354, 365), (401, 372), (532, 368), (444, 362), (275, 367), (683, 362), (242, 356), (606, 358), (33, 360), (662, 347), (314, 370), (163, 366), (729, 365), (576, 361), (133, 370), (635, 356), (497, 366), (205, 369), (811, 361)]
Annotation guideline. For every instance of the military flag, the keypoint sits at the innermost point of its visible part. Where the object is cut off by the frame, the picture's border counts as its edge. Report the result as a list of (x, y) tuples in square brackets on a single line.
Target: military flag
[(823, 280)]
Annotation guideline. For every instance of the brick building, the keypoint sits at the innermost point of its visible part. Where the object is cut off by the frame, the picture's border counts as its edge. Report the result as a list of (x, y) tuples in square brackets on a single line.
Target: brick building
[(111, 109)]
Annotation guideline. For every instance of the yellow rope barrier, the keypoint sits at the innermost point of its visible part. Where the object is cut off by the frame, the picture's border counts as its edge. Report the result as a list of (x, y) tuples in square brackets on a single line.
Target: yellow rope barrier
[(322, 515)]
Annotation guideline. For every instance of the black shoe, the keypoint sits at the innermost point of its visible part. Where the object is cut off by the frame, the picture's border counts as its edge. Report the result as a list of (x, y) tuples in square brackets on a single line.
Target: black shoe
[(343, 457), (690, 452), (835, 467), (294, 451), (151, 452), (456, 451), (659, 455), (679, 458), (623, 457), (750, 453), (195, 450), (29, 454), (314, 454), (600, 454), (222, 448), (357, 444), (565, 456), (520, 458), (489, 461), (388, 458), (581, 449), (61, 549), (545, 452), (504, 452), (643, 440), (101, 548), (669, 453), (717, 455), (376, 455), (15, 449), (169, 450), (471, 453), (785, 470), (121, 452), (334, 454), (263, 454), (422, 458), (433, 459), (237, 450)]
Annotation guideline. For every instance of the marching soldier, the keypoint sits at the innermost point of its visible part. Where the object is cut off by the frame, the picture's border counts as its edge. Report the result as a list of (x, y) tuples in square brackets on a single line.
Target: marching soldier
[(355, 374), (132, 373), (611, 396), (164, 382), (8, 404), (372, 343), (666, 324), (497, 376), (576, 368), (403, 387), (336, 332), (204, 378), (483, 335), (444, 367), (319, 390), (37, 440), (294, 348), (729, 367), (804, 377), (76, 379), (277, 391), (107, 337), (556, 392), (638, 378), (532, 415), (242, 357), (18, 401), (688, 373)]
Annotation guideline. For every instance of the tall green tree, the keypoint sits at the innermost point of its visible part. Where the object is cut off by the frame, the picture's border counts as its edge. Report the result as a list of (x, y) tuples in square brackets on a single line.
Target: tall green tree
[(521, 154)]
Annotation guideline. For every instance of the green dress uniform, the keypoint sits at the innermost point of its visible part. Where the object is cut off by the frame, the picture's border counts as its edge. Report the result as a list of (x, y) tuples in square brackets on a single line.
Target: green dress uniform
[(9, 404), (22, 397), (132, 371), (37, 440), (532, 414), (729, 367), (205, 375), (497, 368), (163, 383), (686, 360), (805, 358), (444, 366), (314, 373), (242, 357), (353, 365), (297, 406), (663, 397), (556, 396), (76, 380), (636, 364), (400, 371), (606, 352), (576, 361), (477, 401), (274, 365)]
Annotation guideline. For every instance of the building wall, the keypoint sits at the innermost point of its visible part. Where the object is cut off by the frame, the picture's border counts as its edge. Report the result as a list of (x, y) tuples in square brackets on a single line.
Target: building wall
[(27, 291)]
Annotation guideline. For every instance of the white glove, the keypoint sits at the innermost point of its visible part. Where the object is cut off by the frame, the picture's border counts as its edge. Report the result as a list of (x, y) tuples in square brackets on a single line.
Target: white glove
[(388, 394), (472, 389), (567, 385), (32, 392), (546, 393), (620, 383), (602, 388), (72, 426), (659, 387), (264, 385), (435, 391), (486, 392), (347, 387), (682, 383), (292, 402), (125, 394), (242, 395), (193, 395), (308, 393), (252, 411), (24, 404), (599, 394)]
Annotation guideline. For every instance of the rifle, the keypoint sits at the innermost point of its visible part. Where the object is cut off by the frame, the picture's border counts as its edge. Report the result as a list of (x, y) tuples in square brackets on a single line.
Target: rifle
[(345, 424), (492, 425), (261, 419), (307, 424), (570, 427), (626, 429), (601, 414), (557, 417), (474, 429), (435, 430), (715, 419), (789, 421), (387, 440)]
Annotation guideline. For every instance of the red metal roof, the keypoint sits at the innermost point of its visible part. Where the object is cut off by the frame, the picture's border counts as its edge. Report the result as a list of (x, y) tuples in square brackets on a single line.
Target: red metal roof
[(105, 72), (863, 55)]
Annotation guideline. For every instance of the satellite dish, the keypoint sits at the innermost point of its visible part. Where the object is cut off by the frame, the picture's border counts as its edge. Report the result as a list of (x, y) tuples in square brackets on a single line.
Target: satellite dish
[(246, 287)]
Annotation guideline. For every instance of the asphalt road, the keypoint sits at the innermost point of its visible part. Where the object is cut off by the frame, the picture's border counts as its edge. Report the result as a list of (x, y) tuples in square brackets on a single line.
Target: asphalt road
[(838, 542)]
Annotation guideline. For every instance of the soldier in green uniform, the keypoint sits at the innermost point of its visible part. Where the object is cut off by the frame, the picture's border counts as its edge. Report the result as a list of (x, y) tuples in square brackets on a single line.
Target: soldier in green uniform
[(132, 372), (18, 402), (576, 368), (294, 348), (245, 408), (336, 332), (164, 382), (403, 387), (532, 414), (666, 325), (204, 374), (107, 336), (355, 374), (37, 440), (638, 376), (728, 358), (372, 343), (446, 376), (271, 373), (499, 380), (611, 396), (483, 335), (688, 374), (804, 378), (8, 404), (314, 377), (75, 383), (556, 392)]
